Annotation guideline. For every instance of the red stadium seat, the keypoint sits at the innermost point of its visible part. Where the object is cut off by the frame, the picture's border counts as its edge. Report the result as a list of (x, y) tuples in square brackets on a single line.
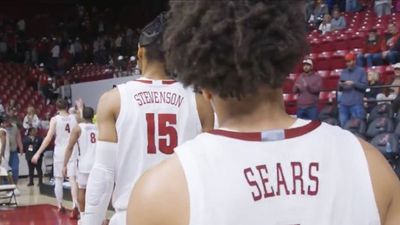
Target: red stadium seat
[(323, 61), (337, 59), (290, 103)]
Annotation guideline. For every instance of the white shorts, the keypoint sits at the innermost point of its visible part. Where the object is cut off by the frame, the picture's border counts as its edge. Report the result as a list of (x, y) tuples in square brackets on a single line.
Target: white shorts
[(118, 218), (71, 169), (82, 179)]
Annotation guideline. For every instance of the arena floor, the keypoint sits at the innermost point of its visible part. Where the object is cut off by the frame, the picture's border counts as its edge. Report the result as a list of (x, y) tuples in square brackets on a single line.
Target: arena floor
[(35, 209)]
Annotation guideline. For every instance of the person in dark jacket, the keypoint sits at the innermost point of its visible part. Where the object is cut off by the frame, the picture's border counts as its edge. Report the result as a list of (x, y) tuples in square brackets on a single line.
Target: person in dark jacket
[(31, 144)]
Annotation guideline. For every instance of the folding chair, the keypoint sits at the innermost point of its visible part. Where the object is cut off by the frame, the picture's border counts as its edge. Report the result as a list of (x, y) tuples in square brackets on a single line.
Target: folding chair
[(7, 191)]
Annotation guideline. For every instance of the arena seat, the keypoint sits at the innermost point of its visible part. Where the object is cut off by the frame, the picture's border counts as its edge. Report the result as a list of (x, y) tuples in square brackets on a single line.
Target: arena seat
[(388, 145), (381, 110), (378, 126), (356, 126)]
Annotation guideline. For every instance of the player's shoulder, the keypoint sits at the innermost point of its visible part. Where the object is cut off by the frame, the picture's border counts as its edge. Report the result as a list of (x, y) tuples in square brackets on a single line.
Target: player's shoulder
[(149, 201), (110, 95)]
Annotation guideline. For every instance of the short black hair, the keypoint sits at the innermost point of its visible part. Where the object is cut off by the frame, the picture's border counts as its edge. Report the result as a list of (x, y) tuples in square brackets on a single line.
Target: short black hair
[(234, 47), (61, 104), (87, 113), (151, 39)]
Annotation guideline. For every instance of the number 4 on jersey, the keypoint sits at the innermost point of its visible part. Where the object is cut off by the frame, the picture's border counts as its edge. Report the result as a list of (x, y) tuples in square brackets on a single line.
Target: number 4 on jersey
[(67, 128), (165, 128)]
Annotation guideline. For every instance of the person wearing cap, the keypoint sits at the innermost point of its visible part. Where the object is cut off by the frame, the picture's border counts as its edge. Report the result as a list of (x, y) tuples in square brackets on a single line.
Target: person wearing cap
[(307, 86), (371, 51), (353, 83)]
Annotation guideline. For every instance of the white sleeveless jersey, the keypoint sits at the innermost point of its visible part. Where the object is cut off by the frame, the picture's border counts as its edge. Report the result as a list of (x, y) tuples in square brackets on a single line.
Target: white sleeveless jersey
[(155, 116), (6, 150), (87, 147), (313, 174), (64, 126)]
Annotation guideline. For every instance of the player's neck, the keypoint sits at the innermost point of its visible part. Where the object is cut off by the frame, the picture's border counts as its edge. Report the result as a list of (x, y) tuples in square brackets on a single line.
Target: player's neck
[(63, 113), (155, 71), (255, 113)]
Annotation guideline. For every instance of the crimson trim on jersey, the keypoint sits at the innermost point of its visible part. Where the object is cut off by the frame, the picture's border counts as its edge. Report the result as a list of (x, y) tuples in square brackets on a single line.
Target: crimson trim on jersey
[(151, 81), (257, 136)]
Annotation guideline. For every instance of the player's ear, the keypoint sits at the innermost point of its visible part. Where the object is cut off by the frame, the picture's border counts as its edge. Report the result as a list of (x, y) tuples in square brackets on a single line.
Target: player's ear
[(206, 94), (140, 53)]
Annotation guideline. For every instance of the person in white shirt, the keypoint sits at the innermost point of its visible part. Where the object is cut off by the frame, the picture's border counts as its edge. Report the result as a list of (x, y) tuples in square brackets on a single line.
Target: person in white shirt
[(325, 26), (31, 120)]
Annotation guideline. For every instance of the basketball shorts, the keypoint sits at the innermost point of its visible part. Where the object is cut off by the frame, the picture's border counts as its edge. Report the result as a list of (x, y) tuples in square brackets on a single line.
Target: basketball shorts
[(71, 168), (82, 179)]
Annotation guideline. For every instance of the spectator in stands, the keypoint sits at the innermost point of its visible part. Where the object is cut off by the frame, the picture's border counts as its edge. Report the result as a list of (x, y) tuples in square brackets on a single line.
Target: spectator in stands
[(351, 5), (307, 86), (390, 45), (396, 86), (338, 22), (396, 81), (15, 145), (383, 7), (318, 11), (31, 145), (55, 54), (31, 119), (386, 96), (371, 92), (2, 110), (11, 108), (352, 84), (325, 26), (372, 49)]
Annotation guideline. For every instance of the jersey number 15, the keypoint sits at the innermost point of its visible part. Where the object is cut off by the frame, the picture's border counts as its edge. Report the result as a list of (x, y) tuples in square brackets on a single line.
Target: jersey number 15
[(165, 130)]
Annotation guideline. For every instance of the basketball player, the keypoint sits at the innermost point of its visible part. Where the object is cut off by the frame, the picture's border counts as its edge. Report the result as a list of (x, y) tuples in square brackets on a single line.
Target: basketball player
[(61, 126), (140, 123), (84, 135), (262, 166), (4, 144)]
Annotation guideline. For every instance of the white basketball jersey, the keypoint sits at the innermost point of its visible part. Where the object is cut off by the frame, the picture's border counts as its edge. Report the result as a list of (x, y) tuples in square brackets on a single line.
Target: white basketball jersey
[(4, 162), (155, 117), (64, 126), (87, 147), (313, 174)]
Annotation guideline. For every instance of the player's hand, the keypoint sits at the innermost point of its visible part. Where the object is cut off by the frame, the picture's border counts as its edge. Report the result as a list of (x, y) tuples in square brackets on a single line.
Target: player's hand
[(64, 171), (79, 103), (35, 159)]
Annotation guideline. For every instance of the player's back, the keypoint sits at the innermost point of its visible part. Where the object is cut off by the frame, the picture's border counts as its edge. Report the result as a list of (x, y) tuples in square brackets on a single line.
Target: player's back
[(64, 126), (312, 174), (155, 117), (6, 149), (87, 147)]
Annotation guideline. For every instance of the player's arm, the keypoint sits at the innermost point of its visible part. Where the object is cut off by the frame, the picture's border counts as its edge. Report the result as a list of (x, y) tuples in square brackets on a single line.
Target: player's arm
[(206, 113), (3, 144), (46, 141), (75, 134), (19, 142), (149, 205), (385, 184), (101, 179)]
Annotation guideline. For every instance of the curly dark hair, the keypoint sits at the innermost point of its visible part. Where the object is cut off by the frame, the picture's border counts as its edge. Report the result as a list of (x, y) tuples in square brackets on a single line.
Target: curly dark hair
[(234, 47)]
